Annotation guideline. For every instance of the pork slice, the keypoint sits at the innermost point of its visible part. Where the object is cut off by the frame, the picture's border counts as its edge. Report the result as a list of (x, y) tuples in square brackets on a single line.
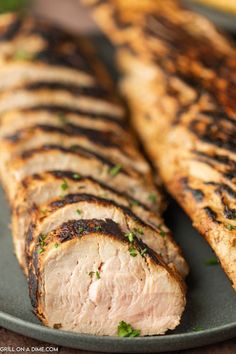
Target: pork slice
[(14, 120), (87, 281), (50, 157), (20, 73), (38, 190), (107, 143), (23, 99), (87, 206)]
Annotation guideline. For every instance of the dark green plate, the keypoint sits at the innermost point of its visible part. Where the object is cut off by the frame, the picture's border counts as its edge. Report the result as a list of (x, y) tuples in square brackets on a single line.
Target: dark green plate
[(211, 302), (223, 19)]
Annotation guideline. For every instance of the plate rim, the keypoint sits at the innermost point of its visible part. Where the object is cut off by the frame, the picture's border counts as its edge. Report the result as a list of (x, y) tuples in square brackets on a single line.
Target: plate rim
[(170, 342)]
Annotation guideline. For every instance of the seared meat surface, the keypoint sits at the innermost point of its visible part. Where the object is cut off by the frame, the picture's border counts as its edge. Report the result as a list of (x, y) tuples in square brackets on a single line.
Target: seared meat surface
[(180, 81), (86, 213)]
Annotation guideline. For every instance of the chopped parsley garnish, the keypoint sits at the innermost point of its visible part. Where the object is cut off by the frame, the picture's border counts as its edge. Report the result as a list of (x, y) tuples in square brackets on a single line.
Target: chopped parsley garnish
[(42, 239), (56, 245), (152, 198), (198, 329), (230, 227), (41, 250), (126, 330), (130, 235), (79, 212), (133, 252), (138, 231), (98, 228), (61, 116), (115, 170), (98, 275), (161, 231), (212, 261), (22, 54), (44, 211), (143, 252), (64, 185), (76, 176), (133, 203), (81, 230)]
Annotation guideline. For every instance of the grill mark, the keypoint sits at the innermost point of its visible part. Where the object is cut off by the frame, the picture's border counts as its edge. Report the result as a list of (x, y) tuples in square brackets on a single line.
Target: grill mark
[(196, 193), (11, 30), (57, 109), (103, 138), (84, 197), (70, 60), (216, 115), (220, 159), (212, 215), (91, 91), (79, 151), (229, 213), (215, 134), (222, 187)]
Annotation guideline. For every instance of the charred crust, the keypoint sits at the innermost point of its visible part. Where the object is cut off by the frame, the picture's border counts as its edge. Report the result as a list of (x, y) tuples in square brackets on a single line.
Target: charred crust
[(83, 227), (57, 109), (11, 30), (196, 192), (76, 150), (72, 176), (91, 91), (75, 198), (211, 214)]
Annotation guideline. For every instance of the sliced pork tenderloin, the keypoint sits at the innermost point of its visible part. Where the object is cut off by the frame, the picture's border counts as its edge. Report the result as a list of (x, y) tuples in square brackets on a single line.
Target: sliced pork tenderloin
[(55, 157), (117, 282), (87, 206), (38, 190), (104, 142), (14, 120)]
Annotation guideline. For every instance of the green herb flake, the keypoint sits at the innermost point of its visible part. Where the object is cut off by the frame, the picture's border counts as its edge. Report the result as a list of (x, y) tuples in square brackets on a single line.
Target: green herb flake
[(230, 227), (22, 54), (138, 231), (115, 170), (98, 228), (152, 198), (42, 239), (81, 230), (130, 235), (62, 118), (79, 212), (133, 203), (126, 330), (41, 250), (43, 211), (212, 262), (98, 275), (64, 185), (133, 252), (56, 245), (76, 176), (143, 252), (198, 329)]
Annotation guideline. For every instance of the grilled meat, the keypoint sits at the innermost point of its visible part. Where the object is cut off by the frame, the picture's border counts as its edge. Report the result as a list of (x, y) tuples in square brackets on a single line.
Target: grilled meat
[(180, 79), (82, 196)]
